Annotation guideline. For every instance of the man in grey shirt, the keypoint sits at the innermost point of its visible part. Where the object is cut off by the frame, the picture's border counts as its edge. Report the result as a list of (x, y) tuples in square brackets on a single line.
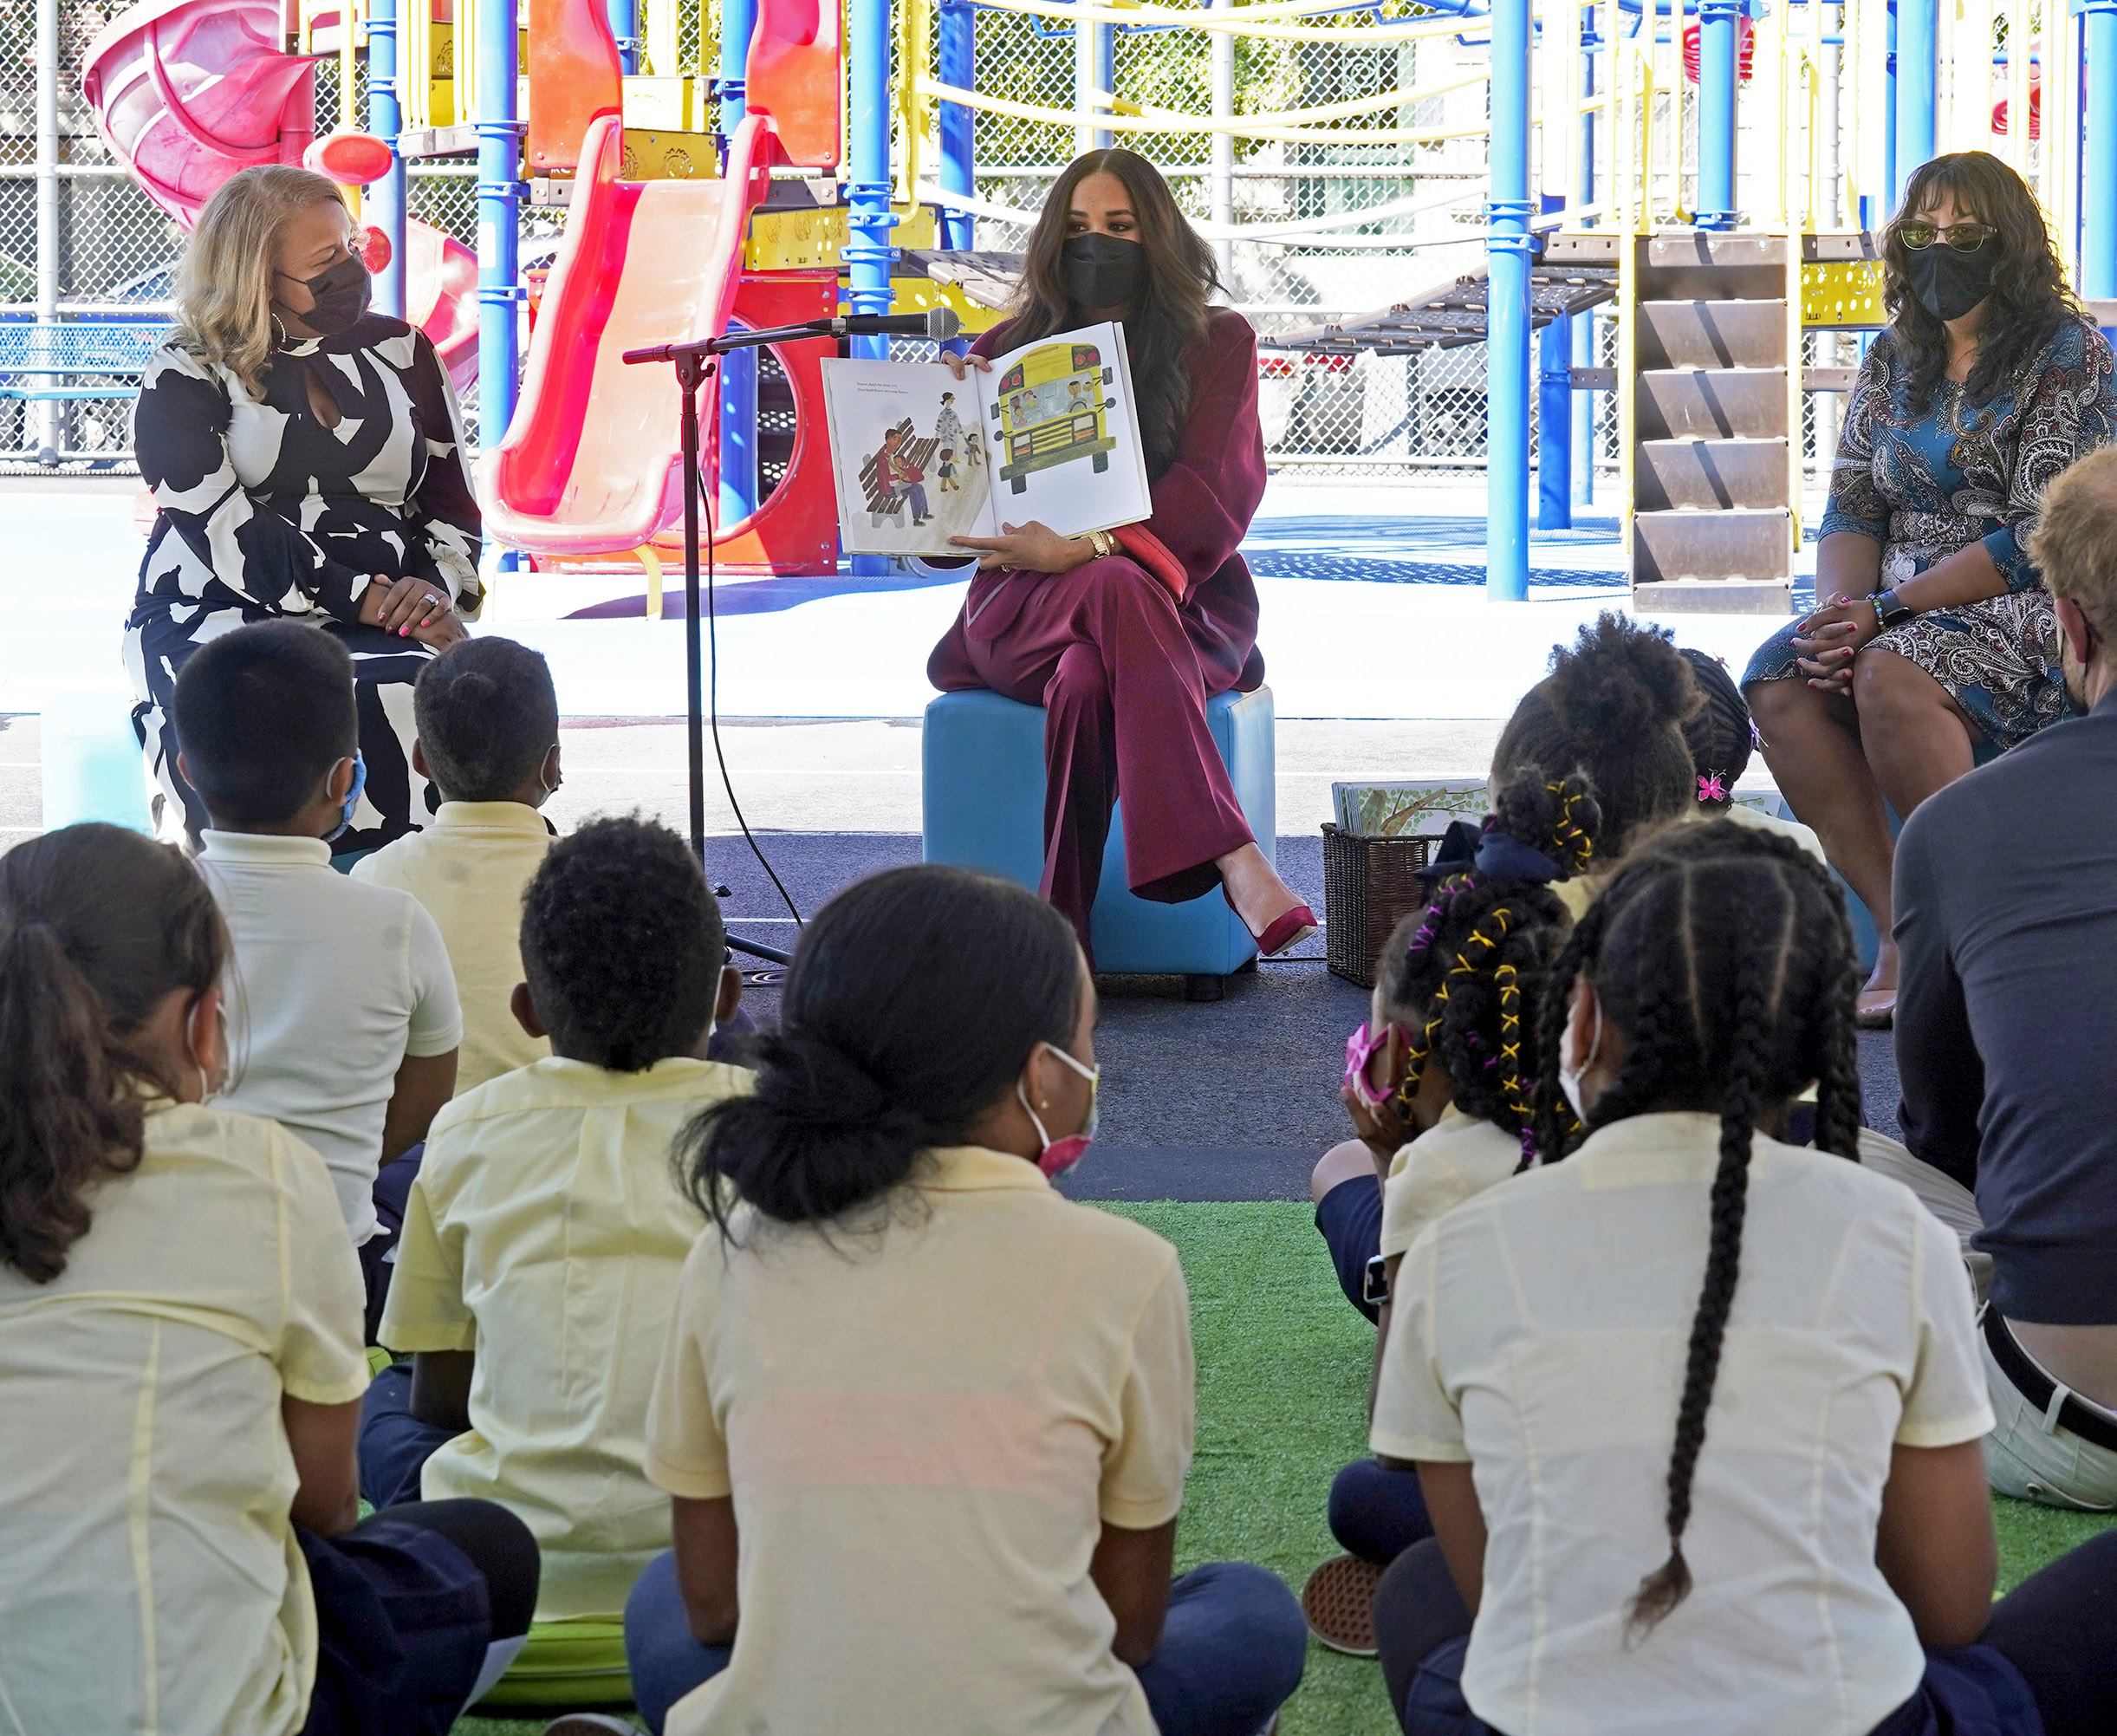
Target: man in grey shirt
[(2006, 1020)]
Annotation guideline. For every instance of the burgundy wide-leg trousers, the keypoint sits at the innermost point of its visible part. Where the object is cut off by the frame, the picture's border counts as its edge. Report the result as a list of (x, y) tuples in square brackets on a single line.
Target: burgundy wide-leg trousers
[(1107, 652)]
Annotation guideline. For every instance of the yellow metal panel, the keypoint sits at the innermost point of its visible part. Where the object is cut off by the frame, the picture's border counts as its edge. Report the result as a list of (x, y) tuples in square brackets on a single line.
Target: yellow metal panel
[(1844, 293), (668, 105), (806, 240), (658, 155)]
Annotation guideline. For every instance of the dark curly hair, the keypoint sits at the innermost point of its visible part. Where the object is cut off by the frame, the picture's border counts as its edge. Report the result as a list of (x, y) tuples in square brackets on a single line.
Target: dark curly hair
[(914, 1000), (487, 715), (1613, 708), (1720, 733), (622, 945), (2031, 299), (1466, 975), (1723, 955), (98, 925)]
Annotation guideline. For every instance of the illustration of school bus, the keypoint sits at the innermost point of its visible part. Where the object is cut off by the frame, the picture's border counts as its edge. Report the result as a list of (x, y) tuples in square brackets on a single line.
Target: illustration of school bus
[(1051, 410)]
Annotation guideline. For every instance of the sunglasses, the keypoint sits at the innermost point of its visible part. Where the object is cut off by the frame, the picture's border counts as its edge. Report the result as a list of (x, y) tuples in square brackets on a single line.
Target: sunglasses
[(1964, 237)]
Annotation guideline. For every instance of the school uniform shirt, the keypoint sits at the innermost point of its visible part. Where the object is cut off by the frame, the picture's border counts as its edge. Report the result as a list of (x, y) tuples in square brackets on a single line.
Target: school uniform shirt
[(1758, 821), (1540, 1333), (1455, 1159), (469, 870), (546, 1233), (149, 1575), (334, 983), (925, 1421)]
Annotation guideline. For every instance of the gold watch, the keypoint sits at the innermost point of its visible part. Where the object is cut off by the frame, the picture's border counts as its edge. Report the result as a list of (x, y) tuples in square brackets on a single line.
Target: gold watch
[(1102, 542)]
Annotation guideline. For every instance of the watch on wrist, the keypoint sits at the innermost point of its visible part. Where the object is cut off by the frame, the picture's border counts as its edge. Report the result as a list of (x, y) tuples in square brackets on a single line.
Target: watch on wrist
[(1102, 542), (1890, 609)]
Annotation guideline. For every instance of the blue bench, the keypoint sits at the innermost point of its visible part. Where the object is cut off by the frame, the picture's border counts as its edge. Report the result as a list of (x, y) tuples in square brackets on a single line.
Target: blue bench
[(984, 808), (77, 359)]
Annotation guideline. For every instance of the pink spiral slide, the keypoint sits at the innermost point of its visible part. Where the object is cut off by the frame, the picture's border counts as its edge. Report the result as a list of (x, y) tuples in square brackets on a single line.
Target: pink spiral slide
[(185, 92)]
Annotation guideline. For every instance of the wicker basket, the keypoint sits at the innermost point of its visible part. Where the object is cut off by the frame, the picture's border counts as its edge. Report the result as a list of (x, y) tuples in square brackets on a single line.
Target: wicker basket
[(1369, 885)]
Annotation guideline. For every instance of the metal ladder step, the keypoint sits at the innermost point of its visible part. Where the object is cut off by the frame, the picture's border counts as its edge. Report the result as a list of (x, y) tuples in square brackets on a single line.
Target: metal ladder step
[(1724, 557), (1731, 334), (1718, 403)]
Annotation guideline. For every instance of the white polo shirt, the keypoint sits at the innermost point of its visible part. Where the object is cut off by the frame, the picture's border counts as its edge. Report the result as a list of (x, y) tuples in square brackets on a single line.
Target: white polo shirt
[(924, 1429), (1540, 1333), (333, 983)]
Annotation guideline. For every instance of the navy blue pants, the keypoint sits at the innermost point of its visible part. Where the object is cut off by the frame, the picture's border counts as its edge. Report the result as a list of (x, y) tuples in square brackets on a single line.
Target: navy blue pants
[(1349, 1218), (392, 1192), (1231, 1650), (1377, 1514), (406, 1604), (394, 1444), (2046, 1667)]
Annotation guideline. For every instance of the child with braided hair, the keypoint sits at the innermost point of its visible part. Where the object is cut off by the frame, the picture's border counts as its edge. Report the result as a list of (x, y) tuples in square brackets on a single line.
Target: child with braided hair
[(1815, 1552), (1720, 735), (1438, 1084)]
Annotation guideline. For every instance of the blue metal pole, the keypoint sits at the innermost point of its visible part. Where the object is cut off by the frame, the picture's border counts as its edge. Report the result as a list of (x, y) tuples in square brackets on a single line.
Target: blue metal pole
[(1507, 247), (738, 371), (499, 199), (1719, 24), (1582, 337), (1554, 416), (956, 59), (385, 199), (867, 253), (624, 16), (1917, 79), (2098, 152), (1106, 75)]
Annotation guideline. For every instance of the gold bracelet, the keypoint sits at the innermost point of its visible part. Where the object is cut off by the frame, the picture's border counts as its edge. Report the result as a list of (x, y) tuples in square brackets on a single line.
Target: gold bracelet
[(1102, 542)]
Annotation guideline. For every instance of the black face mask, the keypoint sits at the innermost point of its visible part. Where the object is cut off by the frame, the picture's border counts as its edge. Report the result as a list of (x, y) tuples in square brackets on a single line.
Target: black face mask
[(1949, 283), (341, 292), (1103, 270)]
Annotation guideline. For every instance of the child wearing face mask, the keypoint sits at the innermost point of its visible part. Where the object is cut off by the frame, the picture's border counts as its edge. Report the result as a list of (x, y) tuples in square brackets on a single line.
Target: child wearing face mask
[(1438, 1084), (488, 719), (347, 1026), (181, 1541), (545, 1232), (925, 1422)]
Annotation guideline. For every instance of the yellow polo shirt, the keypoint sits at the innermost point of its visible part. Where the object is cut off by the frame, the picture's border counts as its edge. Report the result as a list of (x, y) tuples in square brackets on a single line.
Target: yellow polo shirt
[(546, 1233), (470, 868), (1455, 1159), (149, 1575), (925, 1421)]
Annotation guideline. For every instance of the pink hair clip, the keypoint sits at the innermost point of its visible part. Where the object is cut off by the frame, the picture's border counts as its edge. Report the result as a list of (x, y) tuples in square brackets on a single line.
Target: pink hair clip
[(1712, 787)]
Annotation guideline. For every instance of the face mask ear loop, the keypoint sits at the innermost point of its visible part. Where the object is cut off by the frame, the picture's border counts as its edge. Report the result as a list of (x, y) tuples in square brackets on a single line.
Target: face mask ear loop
[(1043, 1139)]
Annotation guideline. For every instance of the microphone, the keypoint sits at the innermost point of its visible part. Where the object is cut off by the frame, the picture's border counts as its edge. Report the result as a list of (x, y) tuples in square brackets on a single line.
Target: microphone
[(935, 323)]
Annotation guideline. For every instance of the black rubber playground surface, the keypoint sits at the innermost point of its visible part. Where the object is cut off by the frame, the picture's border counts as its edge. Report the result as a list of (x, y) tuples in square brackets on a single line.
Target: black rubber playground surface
[(1227, 1100)]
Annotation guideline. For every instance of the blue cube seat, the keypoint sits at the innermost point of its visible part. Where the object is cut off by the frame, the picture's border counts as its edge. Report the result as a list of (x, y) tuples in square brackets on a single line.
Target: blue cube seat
[(984, 807)]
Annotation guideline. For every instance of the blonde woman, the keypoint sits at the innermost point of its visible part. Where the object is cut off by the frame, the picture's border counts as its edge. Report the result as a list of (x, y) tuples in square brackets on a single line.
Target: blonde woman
[(306, 460)]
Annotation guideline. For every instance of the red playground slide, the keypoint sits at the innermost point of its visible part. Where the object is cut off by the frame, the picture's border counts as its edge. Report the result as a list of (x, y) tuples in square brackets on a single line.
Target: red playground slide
[(590, 464), (185, 92)]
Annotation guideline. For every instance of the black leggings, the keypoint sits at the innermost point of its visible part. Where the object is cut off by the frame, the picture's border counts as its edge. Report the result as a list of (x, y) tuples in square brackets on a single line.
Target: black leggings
[(2058, 1628)]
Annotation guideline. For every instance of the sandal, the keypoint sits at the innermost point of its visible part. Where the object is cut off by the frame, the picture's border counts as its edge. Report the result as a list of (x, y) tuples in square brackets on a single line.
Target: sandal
[(1339, 1603)]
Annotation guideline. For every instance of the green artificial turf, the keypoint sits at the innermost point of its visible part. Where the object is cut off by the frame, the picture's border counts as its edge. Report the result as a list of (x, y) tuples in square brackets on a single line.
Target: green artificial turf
[(1283, 1389)]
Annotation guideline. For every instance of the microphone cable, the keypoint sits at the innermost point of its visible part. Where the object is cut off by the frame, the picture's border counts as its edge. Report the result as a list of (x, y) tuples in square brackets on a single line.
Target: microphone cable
[(712, 680)]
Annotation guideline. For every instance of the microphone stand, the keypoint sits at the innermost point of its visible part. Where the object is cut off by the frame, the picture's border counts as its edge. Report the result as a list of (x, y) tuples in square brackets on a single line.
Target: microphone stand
[(693, 368)]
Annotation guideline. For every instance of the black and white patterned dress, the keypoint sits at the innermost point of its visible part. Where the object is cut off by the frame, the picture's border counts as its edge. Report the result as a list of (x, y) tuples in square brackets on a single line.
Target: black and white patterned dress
[(263, 512)]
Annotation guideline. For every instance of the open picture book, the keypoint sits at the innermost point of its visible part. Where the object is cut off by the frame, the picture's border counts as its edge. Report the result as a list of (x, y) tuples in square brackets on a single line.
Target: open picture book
[(1048, 433)]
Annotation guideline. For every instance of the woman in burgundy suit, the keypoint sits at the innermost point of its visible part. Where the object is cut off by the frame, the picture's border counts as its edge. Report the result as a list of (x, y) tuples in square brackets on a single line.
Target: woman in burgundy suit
[(1122, 636)]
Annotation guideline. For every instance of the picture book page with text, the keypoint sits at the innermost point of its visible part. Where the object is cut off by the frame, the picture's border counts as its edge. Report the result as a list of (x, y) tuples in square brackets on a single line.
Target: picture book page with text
[(1048, 433)]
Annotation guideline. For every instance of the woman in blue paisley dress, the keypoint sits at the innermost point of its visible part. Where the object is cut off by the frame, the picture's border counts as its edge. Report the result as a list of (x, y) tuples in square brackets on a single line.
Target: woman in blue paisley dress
[(1933, 632), (306, 460)]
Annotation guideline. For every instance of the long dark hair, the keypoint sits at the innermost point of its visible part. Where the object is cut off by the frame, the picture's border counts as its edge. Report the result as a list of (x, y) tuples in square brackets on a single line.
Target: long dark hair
[(1167, 318), (1467, 974), (914, 999), (1613, 708), (97, 925), (2030, 301), (1723, 955)]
